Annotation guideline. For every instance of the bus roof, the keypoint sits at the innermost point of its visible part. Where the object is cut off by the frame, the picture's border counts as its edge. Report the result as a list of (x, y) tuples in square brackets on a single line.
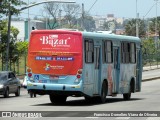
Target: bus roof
[(91, 35), (110, 36), (59, 31)]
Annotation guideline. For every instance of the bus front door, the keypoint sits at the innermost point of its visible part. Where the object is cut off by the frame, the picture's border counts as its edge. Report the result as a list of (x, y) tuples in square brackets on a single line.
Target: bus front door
[(97, 68), (116, 70)]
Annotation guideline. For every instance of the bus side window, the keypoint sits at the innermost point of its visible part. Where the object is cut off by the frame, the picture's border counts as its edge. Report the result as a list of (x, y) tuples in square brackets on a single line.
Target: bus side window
[(125, 52), (132, 53), (108, 52), (89, 51)]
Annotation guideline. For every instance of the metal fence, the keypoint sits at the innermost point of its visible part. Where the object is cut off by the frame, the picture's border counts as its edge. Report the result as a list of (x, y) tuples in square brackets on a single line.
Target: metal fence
[(19, 67), (151, 59)]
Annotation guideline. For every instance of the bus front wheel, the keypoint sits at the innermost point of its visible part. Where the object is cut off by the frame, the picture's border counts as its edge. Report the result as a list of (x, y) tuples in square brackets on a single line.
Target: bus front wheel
[(57, 99), (127, 96)]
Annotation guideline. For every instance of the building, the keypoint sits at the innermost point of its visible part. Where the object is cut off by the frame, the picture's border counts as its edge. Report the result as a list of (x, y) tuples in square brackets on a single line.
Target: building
[(110, 19), (36, 24), (23, 26), (20, 25)]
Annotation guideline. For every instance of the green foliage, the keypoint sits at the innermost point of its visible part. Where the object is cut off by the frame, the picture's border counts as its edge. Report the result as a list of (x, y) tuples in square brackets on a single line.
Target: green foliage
[(22, 47), (6, 4), (148, 46), (71, 10), (130, 28), (89, 23), (3, 31), (153, 24), (16, 50)]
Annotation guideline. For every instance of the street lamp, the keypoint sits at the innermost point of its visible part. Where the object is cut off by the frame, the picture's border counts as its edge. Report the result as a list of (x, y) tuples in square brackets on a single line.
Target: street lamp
[(47, 1), (23, 8), (137, 16), (38, 3), (8, 35), (28, 22), (156, 25)]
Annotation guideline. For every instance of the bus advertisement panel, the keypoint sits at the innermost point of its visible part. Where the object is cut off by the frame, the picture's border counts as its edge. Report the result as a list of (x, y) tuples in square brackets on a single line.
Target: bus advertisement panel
[(55, 53)]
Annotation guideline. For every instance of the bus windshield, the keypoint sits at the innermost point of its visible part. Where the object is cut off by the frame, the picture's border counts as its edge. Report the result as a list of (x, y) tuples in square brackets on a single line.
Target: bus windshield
[(58, 53)]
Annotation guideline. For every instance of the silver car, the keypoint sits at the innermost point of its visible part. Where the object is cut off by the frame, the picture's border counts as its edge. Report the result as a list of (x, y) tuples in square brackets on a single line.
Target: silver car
[(9, 83)]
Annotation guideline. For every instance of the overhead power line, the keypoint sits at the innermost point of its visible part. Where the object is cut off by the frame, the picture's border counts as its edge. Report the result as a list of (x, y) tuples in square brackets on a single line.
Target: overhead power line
[(92, 6)]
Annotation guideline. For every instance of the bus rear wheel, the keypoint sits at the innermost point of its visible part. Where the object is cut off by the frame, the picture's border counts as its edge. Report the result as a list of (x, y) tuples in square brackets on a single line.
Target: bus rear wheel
[(58, 99), (102, 98)]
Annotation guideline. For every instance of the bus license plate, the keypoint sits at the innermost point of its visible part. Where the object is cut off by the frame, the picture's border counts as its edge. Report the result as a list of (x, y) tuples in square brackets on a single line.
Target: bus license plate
[(53, 77), (42, 81)]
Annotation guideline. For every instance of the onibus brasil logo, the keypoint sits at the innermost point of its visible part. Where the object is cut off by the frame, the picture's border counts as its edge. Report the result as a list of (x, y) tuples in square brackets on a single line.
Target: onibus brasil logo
[(55, 41)]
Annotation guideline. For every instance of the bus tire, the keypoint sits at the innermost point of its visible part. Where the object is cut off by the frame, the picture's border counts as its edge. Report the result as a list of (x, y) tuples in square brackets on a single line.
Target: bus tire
[(127, 96), (34, 94), (57, 99), (102, 98), (31, 94)]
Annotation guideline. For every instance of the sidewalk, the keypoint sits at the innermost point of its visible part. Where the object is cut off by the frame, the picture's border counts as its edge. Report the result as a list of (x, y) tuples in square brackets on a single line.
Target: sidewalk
[(147, 75), (146, 68)]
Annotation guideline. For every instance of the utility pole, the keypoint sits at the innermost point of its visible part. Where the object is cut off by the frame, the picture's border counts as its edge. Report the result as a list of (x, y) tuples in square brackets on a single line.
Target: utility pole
[(8, 37), (0, 36), (60, 11), (82, 24), (137, 17), (28, 22), (9, 21), (156, 40)]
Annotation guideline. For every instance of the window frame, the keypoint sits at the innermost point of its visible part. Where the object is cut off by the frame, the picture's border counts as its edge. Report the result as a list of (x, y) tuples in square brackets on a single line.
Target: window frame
[(89, 49), (132, 53), (107, 52), (127, 53)]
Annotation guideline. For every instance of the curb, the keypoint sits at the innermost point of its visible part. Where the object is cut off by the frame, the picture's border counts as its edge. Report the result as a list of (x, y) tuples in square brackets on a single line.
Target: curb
[(150, 79), (150, 69)]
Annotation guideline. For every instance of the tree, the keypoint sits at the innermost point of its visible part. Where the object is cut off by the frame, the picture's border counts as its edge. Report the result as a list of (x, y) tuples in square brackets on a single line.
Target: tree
[(6, 4), (21, 47), (89, 23), (153, 24), (13, 36), (52, 10), (148, 46), (8, 7), (72, 11), (130, 28), (106, 25)]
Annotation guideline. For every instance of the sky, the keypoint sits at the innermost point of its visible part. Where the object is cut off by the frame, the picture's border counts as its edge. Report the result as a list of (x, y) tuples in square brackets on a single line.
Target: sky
[(120, 8)]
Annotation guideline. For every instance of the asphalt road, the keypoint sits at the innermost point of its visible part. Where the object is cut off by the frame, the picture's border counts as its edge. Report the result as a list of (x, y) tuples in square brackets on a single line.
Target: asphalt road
[(146, 100)]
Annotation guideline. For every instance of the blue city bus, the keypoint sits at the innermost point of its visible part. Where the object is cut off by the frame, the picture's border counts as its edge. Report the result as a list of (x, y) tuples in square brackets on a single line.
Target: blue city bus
[(65, 63)]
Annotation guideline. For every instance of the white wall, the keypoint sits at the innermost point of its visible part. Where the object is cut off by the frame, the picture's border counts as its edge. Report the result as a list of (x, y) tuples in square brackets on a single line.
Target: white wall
[(20, 26)]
